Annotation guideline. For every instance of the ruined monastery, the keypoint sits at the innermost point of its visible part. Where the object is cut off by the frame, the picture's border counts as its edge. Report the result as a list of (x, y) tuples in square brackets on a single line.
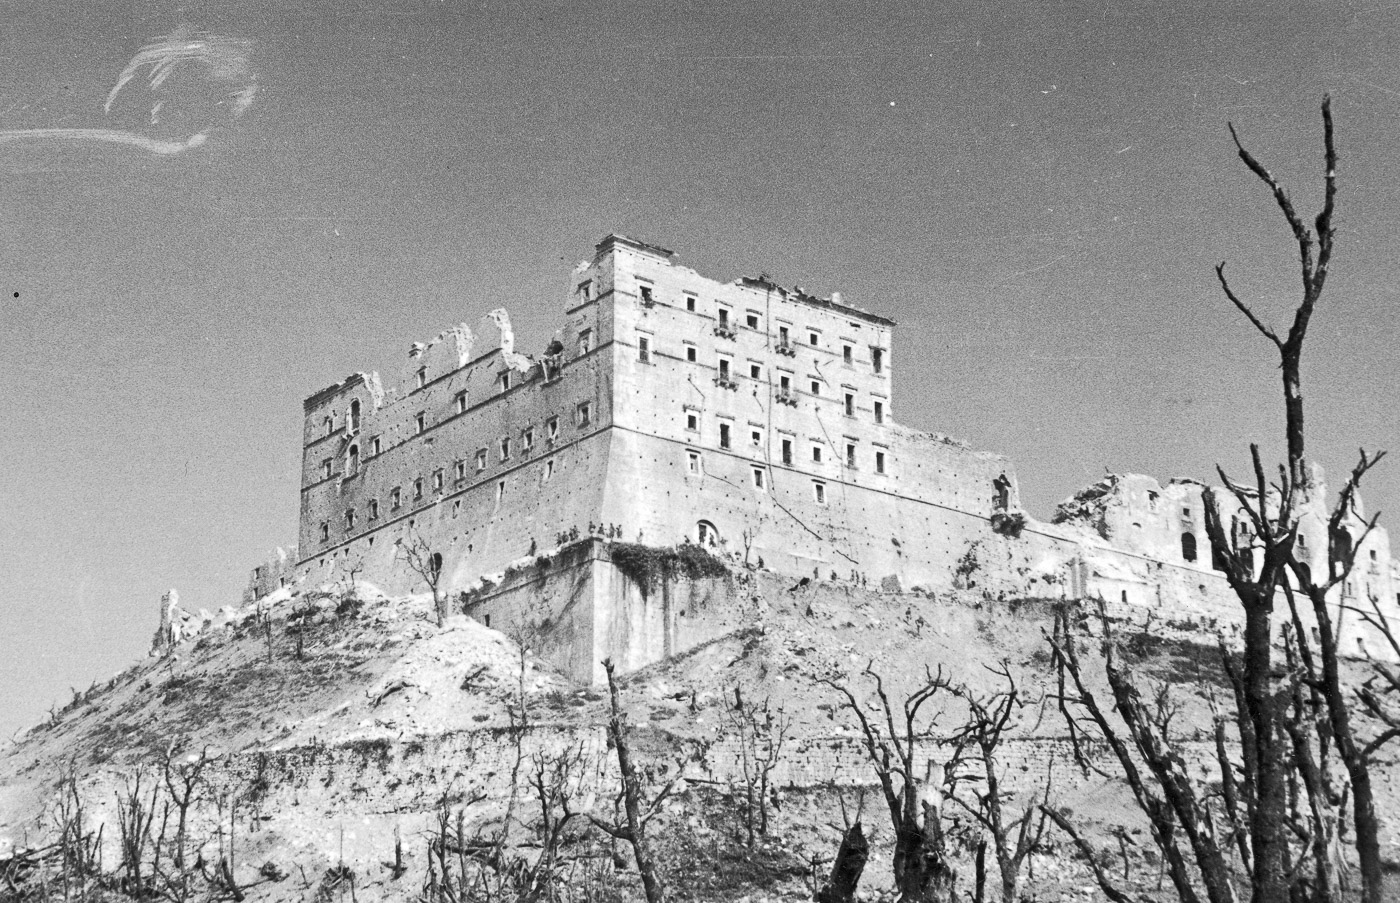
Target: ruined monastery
[(756, 422)]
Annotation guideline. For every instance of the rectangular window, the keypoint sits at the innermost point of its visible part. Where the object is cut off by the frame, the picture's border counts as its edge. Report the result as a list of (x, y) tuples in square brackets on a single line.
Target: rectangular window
[(723, 368), (500, 491), (395, 498), (879, 462), (724, 435), (437, 480), (850, 405), (756, 437), (505, 381), (690, 303), (374, 446), (420, 423), (755, 371), (846, 354), (785, 383), (585, 413), (690, 354), (758, 478), (480, 460), (816, 454), (420, 379), (349, 519), (877, 359), (879, 412), (551, 427), (723, 318), (585, 290), (782, 335), (456, 507), (787, 452), (548, 470), (461, 402), (326, 469), (585, 342), (505, 449), (850, 455), (692, 421), (527, 438), (751, 321), (813, 339), (816, 387), (692, 461), (819, 493), (418, 488), (644, 349), (325, 531), (647, 299), (461, 470), (374, 509)]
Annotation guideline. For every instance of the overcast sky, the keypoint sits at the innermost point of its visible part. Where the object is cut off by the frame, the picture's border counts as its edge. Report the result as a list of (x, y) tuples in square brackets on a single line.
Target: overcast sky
[(1036, 192)]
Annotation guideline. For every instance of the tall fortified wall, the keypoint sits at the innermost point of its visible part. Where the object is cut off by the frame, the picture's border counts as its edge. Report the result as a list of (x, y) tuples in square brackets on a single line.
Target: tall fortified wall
[(756, 421)]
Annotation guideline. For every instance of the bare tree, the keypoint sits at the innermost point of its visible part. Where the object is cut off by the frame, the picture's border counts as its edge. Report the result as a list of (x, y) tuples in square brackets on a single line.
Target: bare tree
[(1276, 528), (637, 810), (416, 553), (922, 871), (760, 730), (1014, 835)]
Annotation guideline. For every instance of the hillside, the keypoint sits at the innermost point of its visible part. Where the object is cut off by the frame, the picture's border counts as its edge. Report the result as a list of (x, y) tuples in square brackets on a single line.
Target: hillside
[(337, 723)]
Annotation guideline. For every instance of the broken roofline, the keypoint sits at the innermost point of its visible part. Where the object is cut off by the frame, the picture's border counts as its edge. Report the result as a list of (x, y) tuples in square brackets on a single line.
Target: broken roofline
[(763, 284)]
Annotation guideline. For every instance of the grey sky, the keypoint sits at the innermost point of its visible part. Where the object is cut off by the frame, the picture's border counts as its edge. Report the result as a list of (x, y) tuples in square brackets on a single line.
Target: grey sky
[(1037, 192)]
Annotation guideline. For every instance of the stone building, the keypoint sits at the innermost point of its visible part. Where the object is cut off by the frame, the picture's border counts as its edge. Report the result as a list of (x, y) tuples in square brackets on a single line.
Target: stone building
[(753, 420)]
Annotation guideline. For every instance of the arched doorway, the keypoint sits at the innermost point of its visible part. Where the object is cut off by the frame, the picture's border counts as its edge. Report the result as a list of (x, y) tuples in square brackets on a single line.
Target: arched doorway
[(706, 535)]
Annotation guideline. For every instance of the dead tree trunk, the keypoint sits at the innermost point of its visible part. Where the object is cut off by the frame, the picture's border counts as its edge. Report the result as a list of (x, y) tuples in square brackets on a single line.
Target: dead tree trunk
[(847, 869), (634, 830)]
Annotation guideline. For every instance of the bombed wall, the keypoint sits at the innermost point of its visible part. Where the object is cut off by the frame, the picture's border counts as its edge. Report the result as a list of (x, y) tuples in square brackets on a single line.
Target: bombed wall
[(480, 452)]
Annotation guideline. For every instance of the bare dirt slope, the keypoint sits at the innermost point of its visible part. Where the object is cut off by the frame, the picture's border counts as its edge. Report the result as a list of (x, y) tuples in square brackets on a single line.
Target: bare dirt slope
[(342, 723)]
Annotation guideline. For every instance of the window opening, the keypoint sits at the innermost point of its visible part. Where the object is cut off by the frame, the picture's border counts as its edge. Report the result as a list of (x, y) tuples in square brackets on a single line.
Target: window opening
[(819, 493), (879, 412), (846, 354), (548, 469), (437, 479), (816, 454), (787, 452), (690, 354), (527, 438), (690, 303), (1188, 547), (723, 318), (1001, 493), (551, 427), (585, 413), (354, 415), (326, 469), (850, 455), (812, 339), (461, 402), (585, 342), (692, 421), (325, 531), (692, 461), (418, 488), (724, 435), (877, 359), (706, 534), (505, 448), (480, 460), (647, 299), (758, 478), (420, 379), (461, 470), (879, 462), (420, 423), (395, 498), (850, 405), (644, 349), (349, 519), (374, 509), (751, 321), (816, 387), (505, 381)]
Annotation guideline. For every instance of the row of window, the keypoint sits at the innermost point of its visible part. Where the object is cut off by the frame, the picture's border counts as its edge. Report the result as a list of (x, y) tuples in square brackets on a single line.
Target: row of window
[(372, 508), (786, 445), (758, 477), (583, 417), (726, 374)]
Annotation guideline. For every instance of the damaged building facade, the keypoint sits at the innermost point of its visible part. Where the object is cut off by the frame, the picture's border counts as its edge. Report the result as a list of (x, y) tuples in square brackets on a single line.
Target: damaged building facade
[(753, 420)]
